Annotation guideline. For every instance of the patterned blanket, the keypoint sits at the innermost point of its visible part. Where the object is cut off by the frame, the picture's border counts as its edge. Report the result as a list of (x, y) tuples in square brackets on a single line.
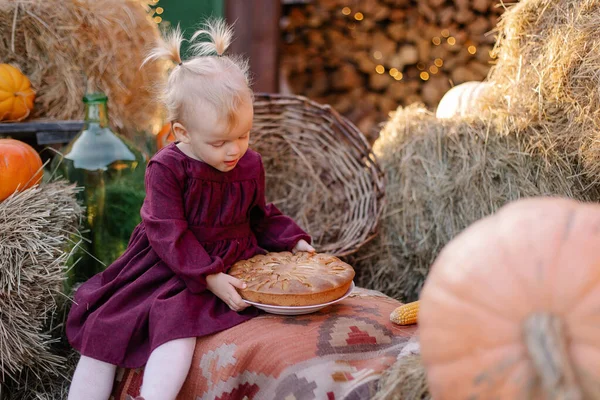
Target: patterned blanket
[(336, 353)]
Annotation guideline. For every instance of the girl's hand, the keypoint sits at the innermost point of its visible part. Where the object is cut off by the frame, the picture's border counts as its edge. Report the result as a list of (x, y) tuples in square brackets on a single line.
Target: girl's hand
[(223, 286), (302, 245)]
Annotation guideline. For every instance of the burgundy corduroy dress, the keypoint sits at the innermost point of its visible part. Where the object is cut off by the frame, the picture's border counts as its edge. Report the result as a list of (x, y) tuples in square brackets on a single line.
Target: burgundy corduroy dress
[(196, 221)]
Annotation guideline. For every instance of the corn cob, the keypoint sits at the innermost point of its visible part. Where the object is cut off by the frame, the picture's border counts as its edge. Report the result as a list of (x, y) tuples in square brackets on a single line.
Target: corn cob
[(406, 314)]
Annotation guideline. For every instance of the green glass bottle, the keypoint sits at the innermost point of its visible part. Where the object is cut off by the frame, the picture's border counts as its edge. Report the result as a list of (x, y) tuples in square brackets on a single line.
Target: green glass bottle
[(111, 171)]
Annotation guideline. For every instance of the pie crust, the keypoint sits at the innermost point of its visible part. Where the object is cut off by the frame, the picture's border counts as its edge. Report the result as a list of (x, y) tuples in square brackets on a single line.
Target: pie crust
[(286, 279)]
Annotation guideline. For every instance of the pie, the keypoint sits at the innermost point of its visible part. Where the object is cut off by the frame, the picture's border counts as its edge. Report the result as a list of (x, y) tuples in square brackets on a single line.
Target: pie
[(286, 279)]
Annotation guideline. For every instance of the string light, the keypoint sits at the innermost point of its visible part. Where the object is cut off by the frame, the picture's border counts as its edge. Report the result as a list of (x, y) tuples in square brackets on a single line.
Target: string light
[(394, 72), (351, 25), (377, 55), (434, 70), (359, 16), (451, 41), (472, 49), (438, 62), (398, 76), (436, 40), (380, 69), (445, 33), (421, 66), (156, 13), (346, 10), (424, 75)]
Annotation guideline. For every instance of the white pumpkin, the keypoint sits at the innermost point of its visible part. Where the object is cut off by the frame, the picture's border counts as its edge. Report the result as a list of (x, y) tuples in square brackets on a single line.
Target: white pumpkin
[(461, 100)]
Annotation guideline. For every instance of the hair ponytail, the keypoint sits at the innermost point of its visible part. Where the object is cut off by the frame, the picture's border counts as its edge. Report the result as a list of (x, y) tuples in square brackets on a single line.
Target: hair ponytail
[(219, 36), (208, 78), (168, 48)]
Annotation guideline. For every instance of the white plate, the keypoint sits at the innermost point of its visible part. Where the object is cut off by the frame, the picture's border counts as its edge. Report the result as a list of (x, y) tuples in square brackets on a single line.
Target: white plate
[(298, 310)]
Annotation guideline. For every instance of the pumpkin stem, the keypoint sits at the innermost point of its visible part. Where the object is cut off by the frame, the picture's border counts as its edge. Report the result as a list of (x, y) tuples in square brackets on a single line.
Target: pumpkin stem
[(547, 347)]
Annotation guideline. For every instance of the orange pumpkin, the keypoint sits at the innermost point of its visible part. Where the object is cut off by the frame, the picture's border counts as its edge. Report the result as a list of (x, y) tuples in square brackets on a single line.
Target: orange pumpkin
[(20, 167), (511, 307), (16, 94), (165, 136)]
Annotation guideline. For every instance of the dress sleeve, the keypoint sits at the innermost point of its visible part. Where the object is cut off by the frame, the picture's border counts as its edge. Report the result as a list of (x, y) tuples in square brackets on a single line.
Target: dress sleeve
[(274, 231), (163, 215)]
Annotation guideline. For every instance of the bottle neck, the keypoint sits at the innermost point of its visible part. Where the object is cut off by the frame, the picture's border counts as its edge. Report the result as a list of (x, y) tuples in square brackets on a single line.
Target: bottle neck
[(96, 115)]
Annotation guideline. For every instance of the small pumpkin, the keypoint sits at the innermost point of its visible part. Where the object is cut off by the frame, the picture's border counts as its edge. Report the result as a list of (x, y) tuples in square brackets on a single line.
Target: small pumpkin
[(16, 94), (165, 136), (511, 307), (20, 167), (462, 100)]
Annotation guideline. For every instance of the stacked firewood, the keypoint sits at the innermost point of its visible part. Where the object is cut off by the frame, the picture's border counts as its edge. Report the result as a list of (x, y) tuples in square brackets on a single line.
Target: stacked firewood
[(367, 57)]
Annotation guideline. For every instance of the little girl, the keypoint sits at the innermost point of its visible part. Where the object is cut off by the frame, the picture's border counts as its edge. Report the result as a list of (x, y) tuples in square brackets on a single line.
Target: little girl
[(204, 210)]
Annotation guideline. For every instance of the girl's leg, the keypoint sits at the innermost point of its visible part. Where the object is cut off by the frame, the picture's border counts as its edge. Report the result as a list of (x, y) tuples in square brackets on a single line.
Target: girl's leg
[(167, 369), (92, 380)]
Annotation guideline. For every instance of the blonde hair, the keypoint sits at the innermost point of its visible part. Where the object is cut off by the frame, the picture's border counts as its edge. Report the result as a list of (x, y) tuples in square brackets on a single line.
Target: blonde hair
[(208, 78)]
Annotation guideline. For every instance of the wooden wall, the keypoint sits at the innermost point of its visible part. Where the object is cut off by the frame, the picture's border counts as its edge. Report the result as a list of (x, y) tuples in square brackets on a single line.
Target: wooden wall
[(257, 37)]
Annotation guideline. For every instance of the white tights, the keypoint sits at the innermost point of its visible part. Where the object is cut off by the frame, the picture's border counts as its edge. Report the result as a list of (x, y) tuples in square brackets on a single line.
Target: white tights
[(164, 373), (167, 369)]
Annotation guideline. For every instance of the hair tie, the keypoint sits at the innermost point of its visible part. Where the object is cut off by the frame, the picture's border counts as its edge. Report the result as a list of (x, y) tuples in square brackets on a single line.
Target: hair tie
[(180, 64)]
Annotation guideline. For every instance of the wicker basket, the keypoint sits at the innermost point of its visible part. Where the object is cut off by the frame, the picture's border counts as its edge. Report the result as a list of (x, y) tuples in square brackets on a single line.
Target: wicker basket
[(320, 171)]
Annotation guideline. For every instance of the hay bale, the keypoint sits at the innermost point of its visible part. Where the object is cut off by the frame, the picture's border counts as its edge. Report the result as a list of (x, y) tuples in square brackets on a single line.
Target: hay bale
[(35, 227), (547, 76), (406, 379), (443, 175), (64, 46), (43, 385)]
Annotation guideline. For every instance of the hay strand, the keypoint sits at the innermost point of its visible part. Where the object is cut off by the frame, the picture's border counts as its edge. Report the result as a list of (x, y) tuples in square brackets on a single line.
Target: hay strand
[(405, 380), (443, 175), (36, 226), (547, 76), (66, 47), (36, 385)]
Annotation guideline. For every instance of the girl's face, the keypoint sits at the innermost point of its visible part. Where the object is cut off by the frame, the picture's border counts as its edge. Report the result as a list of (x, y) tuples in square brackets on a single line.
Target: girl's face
[(208, 139)]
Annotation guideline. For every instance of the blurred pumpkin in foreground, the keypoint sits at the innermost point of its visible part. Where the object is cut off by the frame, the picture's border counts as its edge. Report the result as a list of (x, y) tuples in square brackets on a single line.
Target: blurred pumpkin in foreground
[(511, 307)]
